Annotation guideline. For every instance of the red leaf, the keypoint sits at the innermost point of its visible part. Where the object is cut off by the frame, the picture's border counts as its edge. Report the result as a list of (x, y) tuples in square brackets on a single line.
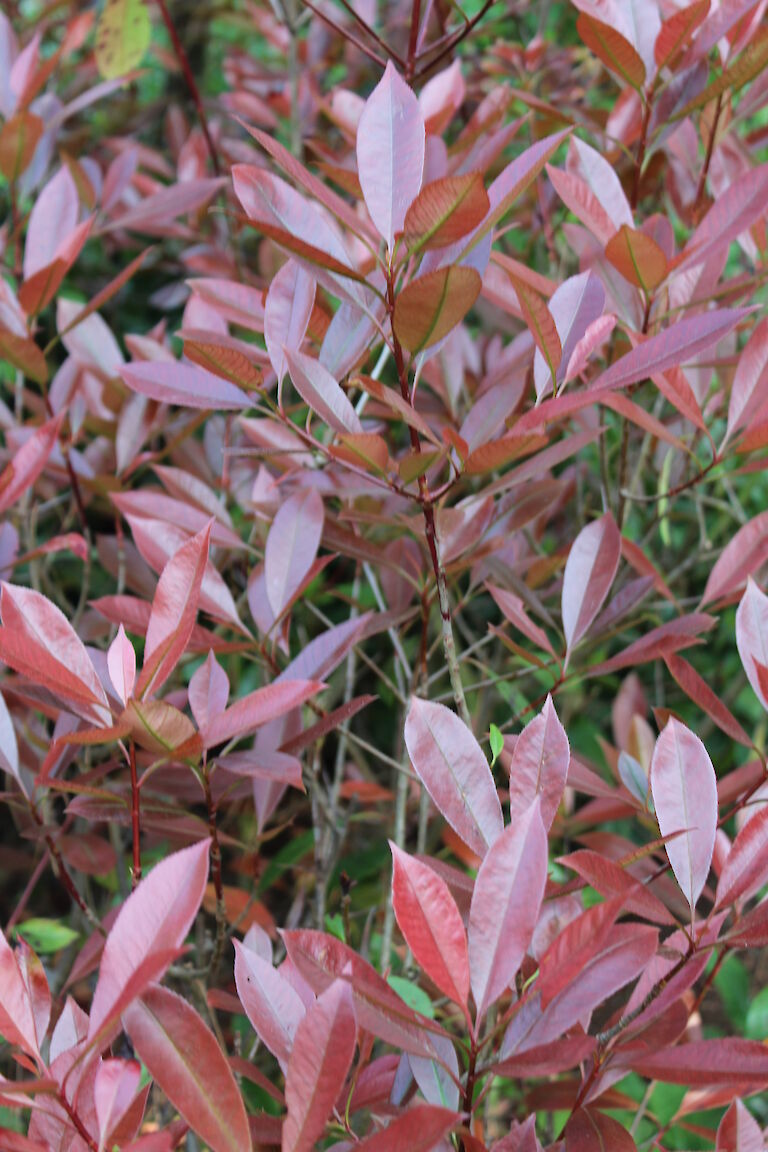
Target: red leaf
[(589, 574), (575, 947), (323, 1048), (591, 1131), (708, 700), (744, 553), (17, 1019), (431, 924), (505, 906), (390, 153), (174, 610), (419, 1129), (28, 462), (451, 764), (638, 258), (676, 31), (746, 865), (445, 210), (539, 766), (149, 931), (702, 1062), (184, 1058), (750, 383), (752, 635), (610, 879), (258, 708), (739, 1131), (114, 1090), (272, 1005), (685, 797), (291, 548), (121, 665)]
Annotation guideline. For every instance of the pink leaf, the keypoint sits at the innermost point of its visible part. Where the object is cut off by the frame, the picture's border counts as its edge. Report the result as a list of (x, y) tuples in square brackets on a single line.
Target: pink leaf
[(704, 1062), (752, 636), (272, 1005), (390, 153), (147, 934), (53, 218), (745, 552), (208, 691), (27, 464), (322, 393), (596, 334), (589, 574), (419, 1129), (257, 709), (591, 1131), (513, 180), (121, 664), (185, 1059), (38, 641), (323, 1048), (539, 766), (174, 609), (17, 1021), (185, 385), (450, 762), (287, 311), (513, 608), (739, 1131), (505, 906), (431, 924), (292, 545), (734, 211), (685, 797), (574, 305), (750, 383), (114, 1089)]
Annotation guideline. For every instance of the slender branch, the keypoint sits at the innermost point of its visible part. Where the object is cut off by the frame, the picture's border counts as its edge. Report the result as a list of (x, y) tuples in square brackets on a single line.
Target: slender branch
[(641, 151), (708, 158), (413, 38), (135, 818), (216, 877), (345, 32), (189, 80), (453, 40)]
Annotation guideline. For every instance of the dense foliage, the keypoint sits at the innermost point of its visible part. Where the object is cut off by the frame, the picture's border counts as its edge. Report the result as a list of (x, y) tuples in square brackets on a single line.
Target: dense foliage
[(384, 654)]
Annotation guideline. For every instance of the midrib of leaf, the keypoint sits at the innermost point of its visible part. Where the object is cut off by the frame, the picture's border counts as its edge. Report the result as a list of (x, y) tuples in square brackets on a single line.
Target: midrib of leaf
[(437, 313), (461, 790)]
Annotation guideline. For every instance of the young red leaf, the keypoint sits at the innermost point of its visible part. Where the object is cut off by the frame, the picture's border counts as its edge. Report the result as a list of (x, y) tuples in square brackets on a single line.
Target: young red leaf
[(147, 935), (710, 703), (685, 798), (750, 382), (738, 1131), (292, 545), (591, 1131), (610, 46), (746, 866), (17, 1019), (513, 608), (730, 1061), (28, 462), (505, 906), (23, 354), (589, 574), (419, 1129), (19, 138), (445, 210), (431, 924), (185, 385), (431, 306), (53, 218), (734, 211), (390, 153), (323, 1048), (272, 1005), (752, 636), (610, 879), (184, 1058), (174, 610), (575, 947), (121, 664), (208, 691), (676, 31), (287, 312), (574, 306), (451, 764), (745, 552), (322, 392), (539, 766), (114, 1090), (541, 325), (638, 258)]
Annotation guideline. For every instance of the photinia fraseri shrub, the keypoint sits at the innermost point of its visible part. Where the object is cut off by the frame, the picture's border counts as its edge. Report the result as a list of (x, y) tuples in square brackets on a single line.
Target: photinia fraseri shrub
[(412, 391)]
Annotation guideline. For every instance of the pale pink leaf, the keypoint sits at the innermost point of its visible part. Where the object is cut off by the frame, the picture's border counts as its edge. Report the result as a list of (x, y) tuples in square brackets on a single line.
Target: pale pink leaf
[(258, 708), (574, 306), (28, 462), (739, 1131), (291, 548), (287, 311), (121, 664), (390, 153), (451, 764), (148, 933), (745, 552), (596, 334), (114, 1089), (208, 691), (505, 906), (185, 385), (322, 1053), (322, 393), (750, 383), (589, 574), (685, 798), (17, 1020), (53, 218), (271, 1004), (746, 866), (539, 767)]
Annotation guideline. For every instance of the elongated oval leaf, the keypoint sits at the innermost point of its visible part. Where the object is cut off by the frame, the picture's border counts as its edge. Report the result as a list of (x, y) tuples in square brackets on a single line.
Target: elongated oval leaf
[(610, 46), (445, 210), (322, 393), (208, 691), (746, 865), (122, 37), (419, 1129), (322, 1053), (292, 545), (28, 462), (752, 636), (148, 933), (185, 385), (121, 665), (184, 1057), (574, 306), (589, 574), (685, 797), (750, 383), (431, 306), (505, 906), (390, 153), (257, 709), (272, 1005), (706, 1062), (287, 311), (745, 552), (431, 924), (539, 766), (591, 1131), (738, 1131), (451, 764), (638, 258)]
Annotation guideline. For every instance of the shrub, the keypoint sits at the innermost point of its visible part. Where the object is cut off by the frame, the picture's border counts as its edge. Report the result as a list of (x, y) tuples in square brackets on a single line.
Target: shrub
[(346, 434)]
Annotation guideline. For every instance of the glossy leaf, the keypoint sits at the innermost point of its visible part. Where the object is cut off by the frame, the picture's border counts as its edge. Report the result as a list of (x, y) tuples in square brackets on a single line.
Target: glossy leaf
[(746, 866), (591, 1131), (738, 1131), (451, 764), (121, 662), (505, 906), (431, 306), (431, 924), (208, 691), (322, 393), (390, 153), (114, 1090), (638, 258), (272, 1005), (419, 1130), (589, 573), (704, 1062), (185, 385), (28, 462), (185, 1059), (292, 545), (257, 709), (444, 211), (287, 312), (685, 798), (752, 637), (539, 766)]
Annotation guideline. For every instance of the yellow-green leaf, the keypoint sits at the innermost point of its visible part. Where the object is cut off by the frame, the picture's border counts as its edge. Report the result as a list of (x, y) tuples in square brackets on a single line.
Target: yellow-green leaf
[(122, 37)]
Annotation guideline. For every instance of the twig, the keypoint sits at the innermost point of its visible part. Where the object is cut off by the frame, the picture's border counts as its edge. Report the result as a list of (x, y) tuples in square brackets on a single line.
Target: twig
[(189, 80)]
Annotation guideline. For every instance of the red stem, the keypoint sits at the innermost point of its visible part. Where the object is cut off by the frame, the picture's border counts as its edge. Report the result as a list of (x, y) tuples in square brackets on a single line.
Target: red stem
[(189, 80), (135, 819)]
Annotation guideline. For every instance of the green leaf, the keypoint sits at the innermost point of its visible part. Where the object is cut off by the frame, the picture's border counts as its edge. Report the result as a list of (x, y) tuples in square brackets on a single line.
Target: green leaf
[(757, 1017), (47, 935), (122, 37), (497, 743), (413, 996)]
